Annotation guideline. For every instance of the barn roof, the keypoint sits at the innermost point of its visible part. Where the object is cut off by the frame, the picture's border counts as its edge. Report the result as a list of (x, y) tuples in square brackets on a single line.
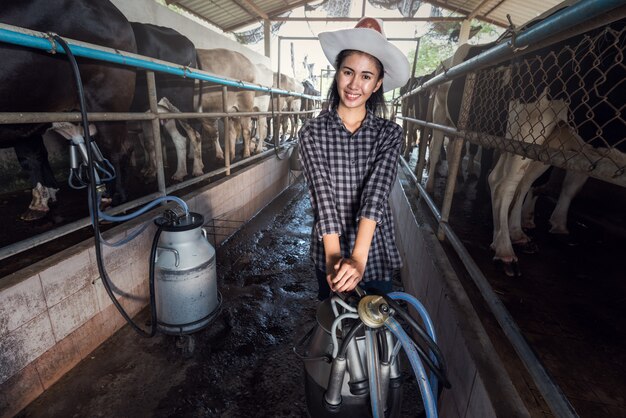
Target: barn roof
[(231, 15)]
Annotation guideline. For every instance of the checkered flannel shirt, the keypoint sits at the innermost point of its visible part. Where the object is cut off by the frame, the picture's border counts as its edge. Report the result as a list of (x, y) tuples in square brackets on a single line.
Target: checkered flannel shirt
[(350, 176)]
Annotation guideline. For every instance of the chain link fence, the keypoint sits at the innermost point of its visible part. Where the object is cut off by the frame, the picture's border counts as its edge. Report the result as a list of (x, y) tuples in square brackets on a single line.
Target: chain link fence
[(562, 105)]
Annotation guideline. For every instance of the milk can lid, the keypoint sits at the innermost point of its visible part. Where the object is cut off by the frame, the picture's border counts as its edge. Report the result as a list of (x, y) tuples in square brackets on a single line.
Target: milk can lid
[(178, 224)]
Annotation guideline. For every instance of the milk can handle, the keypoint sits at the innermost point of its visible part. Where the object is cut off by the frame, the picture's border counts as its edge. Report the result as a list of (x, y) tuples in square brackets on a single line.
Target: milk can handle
[(204, 234), (176, 254), (301, 342)]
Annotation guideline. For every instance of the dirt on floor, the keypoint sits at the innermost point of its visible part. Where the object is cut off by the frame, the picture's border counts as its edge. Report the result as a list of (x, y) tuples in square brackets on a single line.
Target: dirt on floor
[(243, 364)]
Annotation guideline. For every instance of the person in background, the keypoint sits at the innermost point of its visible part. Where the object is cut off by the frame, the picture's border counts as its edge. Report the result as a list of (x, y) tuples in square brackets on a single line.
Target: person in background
[(350, 157)]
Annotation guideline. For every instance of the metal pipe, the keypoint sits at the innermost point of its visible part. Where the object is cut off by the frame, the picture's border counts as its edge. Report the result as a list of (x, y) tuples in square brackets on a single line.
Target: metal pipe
[(553, 395), (27, 244), (592, 161), (156, 130), (222, 170), (39, 40), (564, 19), (226, 131), (455, 156), (48, 117)]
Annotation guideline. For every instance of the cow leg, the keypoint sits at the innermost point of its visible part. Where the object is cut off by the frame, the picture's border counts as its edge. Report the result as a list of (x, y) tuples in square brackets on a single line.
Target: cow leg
[(573, 182), (503, 182), (180, 144), (210, 126), (284, 121), (528, 209), (486, 163), (195, 147), (471, 157), (518, 237), (234, 128), (146, 139), (113, 140), (245, 132), (434, 151), (262, 131), (33, 158)]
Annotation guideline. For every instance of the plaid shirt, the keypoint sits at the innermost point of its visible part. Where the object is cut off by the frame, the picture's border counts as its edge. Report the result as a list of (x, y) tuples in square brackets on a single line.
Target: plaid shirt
[(350, 176)]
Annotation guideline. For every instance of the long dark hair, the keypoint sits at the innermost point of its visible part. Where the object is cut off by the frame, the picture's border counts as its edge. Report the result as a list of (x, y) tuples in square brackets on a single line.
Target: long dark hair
[(376, 102)]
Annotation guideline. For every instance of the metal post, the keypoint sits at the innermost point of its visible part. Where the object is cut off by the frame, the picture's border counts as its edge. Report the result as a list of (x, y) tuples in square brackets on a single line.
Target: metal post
[(277, 117), (226, 131), (417, 51), (454, 158), (267, 37), (464, 32), (156, 130)]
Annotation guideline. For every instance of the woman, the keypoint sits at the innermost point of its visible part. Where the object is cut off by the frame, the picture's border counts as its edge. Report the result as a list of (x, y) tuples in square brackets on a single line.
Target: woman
[(350, 156)]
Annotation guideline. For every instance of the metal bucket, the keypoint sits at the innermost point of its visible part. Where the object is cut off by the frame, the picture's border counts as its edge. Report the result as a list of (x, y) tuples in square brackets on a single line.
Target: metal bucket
[(185, 277), (355, 389)]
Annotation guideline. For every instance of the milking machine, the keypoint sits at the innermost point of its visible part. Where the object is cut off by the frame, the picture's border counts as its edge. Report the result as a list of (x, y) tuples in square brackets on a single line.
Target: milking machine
[(182, 276), (351, 356)]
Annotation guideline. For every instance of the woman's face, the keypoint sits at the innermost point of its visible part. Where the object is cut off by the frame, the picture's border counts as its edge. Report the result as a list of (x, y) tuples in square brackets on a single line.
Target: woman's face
[(357, 78)]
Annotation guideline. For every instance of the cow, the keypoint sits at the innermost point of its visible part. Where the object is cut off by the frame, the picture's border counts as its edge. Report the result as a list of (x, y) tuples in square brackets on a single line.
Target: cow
[(446, 108), (308, 104), (264, 77), (288, 104), (38, 81), (564, 97), (168, 45), (415, 106), (233, 65)]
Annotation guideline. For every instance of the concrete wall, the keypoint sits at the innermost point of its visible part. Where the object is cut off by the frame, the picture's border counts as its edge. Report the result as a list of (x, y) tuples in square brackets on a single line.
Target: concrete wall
[(55, 312), (481, 388)]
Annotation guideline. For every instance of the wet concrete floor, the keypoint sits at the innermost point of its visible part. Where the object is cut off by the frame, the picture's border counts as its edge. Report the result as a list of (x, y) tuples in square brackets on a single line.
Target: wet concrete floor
[(243, 364)]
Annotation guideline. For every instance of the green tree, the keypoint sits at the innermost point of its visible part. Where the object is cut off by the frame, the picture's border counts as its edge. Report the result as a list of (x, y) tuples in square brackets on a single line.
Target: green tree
[(432, 51)]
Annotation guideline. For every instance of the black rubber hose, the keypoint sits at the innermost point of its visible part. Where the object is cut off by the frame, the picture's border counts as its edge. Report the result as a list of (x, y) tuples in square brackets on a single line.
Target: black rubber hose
[(440, 369), (382, 340), (94, 200), (349, 336)]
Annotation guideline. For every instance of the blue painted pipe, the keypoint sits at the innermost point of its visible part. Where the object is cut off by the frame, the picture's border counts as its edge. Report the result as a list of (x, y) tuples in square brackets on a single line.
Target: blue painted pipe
[(38, 40)]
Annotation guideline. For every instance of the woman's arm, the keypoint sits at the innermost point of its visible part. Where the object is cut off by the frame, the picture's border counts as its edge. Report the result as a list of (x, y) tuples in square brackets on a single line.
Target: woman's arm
[(318, 179), (350, 271)]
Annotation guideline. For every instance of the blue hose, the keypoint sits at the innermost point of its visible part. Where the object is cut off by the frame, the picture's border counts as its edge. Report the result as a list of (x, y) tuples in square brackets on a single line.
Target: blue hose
[(419, 307), (418, 368), (143, 210)]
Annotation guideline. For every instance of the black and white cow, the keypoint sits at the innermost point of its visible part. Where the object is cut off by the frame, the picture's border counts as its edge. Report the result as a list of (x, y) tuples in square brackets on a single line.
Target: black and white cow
[(168, 45), (37, 81), (446, 109), (415, 106), (568, 96)]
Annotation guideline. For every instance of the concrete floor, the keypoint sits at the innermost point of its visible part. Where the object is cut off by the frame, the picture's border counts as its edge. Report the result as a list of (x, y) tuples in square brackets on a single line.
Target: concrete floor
[(243, 364)]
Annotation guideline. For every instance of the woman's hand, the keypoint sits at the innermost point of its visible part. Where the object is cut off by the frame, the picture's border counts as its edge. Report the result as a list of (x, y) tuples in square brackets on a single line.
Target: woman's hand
[(348, 274)]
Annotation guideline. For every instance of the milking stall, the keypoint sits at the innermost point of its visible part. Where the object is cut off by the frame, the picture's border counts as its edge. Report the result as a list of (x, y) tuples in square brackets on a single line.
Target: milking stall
[(155, 254)]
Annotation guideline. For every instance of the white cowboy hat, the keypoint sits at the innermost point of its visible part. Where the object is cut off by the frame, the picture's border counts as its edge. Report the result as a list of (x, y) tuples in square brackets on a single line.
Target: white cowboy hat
[(368, 36)]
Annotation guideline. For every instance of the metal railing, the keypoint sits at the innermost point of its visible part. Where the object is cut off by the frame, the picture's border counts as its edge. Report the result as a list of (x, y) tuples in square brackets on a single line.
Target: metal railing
[(490, 116), (41, 41)]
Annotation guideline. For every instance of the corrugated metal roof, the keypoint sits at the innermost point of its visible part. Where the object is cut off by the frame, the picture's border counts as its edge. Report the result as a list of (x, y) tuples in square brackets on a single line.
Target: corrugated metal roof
[(495, 11), (230, 15)]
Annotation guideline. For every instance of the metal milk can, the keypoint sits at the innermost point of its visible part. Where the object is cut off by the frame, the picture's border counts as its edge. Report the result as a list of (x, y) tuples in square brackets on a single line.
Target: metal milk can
[(185, 276)]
